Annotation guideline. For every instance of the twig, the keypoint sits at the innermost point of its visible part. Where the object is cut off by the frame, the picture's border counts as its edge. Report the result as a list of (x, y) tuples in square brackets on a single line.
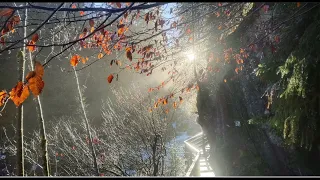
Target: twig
[(39, 27), (113, 10)]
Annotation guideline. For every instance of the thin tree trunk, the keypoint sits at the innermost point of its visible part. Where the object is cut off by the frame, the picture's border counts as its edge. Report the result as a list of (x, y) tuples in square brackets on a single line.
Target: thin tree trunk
[(43, 139), (44, 144), (21, 76), (95, 164)]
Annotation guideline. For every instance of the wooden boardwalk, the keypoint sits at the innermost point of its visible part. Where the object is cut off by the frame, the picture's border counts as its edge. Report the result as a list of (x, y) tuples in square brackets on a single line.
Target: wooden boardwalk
[(199, 148)]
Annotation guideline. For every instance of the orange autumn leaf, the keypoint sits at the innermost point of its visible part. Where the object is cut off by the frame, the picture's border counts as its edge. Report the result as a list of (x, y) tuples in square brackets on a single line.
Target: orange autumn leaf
[(118, 5), (74, 60), (236, 70), (100, 55), (3, 96), (31, 74), (298, 4), (277, 39), (129, 55), (16, 91), (91, 23), (36, 85), (30, 47), (39, 70), (165, 101), (73, 6), (16, 19), (2, 41), (121, 30), (125, 15), (25, 94), (175, 105), (35, 37), (83, 60), (180, 98), (174, 25), (6, 12), (19, 93), (197, 87), (81, 13), (110, 78)]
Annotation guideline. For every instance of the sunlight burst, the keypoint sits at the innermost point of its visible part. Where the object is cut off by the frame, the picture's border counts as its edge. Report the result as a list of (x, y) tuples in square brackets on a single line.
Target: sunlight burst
[(190, 56)]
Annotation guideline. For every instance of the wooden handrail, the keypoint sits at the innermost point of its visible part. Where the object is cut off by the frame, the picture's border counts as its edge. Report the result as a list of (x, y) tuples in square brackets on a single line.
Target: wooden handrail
[(197, 150), (194, 162)]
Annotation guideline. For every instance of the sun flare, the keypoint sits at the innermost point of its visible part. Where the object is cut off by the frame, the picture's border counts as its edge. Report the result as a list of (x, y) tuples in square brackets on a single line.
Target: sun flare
[(190, 56)]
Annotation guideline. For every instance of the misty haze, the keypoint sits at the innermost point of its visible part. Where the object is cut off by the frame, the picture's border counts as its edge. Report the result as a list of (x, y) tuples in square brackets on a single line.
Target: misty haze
[(159, 89)]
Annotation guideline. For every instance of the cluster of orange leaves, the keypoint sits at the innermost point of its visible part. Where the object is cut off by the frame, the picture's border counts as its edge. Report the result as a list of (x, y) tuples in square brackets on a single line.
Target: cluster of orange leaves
[(164, 102), (103, 39), (76, 58), (31, 44), (20, 92), (11, 23)]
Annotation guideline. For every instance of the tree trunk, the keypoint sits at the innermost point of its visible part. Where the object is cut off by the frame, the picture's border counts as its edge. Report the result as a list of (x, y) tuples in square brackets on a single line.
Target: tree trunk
[(21, 74), (95, 165), (44, 144)]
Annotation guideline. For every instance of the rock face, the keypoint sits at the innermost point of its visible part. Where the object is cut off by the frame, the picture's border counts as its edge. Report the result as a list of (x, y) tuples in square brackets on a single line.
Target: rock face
[(251, 149)]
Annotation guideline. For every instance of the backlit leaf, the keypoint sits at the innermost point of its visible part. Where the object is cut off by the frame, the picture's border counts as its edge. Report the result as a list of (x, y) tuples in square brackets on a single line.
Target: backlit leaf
[(36, 85), (16, 19), (31, 74), (73, 6), (81, 13), (3, 96), (91, 23), (277, 39), (129, 55), (39, 69), (100, 55), (30, 47), (265, 8), (74, 60), (298, 4), (175, 105), (2, 41), (110, 78), (165, 101), (35, 37), (6, 12), (19, 93), (121, 30)]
